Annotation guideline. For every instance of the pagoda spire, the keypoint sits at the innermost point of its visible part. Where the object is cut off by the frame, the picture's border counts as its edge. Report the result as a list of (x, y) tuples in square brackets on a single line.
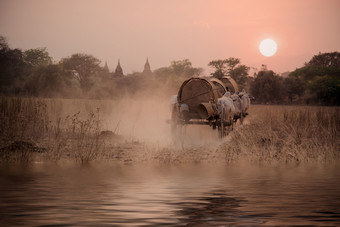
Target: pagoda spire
[(119, 70), (147, 69), (106, 68)]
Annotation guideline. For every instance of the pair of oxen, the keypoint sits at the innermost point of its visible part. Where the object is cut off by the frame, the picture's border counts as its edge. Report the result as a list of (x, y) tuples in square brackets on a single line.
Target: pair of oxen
[(232, 107)]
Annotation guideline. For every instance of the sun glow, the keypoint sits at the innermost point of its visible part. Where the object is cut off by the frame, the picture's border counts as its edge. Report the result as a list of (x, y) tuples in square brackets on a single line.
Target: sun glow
[(268, 47)]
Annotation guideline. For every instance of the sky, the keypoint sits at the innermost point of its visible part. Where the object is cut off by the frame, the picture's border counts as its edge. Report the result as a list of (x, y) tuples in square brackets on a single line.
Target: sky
[(168, 30)]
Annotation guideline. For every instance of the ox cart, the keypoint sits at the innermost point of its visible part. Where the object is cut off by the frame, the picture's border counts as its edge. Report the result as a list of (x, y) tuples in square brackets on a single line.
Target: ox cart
[(204, 101)]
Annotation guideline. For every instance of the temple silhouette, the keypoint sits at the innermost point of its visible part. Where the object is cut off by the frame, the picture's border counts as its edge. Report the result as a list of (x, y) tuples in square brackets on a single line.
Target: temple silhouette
[(118, 73), (147, 70)]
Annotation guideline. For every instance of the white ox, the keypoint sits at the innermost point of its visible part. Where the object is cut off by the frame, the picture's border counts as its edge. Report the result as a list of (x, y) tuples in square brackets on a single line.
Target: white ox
[(238, 103), (241, 102), (226, 108), (245, 101)]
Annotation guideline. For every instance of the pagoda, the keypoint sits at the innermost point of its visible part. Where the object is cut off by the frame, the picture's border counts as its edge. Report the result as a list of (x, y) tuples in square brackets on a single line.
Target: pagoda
[(147, 69), (106, 68), (119, 71)]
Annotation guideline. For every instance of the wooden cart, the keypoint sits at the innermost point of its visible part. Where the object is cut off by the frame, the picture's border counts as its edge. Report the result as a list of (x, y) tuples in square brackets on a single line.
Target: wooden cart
[(197, 103)]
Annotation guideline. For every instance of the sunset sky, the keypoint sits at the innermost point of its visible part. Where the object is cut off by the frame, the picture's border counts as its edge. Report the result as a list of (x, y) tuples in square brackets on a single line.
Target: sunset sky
[(167, 30)]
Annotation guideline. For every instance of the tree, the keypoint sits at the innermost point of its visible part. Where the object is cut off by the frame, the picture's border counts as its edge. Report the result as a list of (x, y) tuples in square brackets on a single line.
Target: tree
[(319, 65), (327, 89), (268, 87), (230, 67), (47, 81), (163, 72), (179, 68), (85, 68), (183, 68), (240, 74), (295, 87), (220, 68), (12, 67), (308, 73), (37, 57), (326, 59), (321, 76), (3, 43), (232, 63)]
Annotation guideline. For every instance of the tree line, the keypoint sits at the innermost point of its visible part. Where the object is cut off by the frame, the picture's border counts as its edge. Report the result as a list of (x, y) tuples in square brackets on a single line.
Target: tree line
[(33, 73), (317, 82)]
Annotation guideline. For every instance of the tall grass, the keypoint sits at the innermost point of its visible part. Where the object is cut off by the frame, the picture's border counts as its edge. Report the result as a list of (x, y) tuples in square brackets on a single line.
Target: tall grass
[(28, 124), (286, 134), (58, 130), (84, 136), (22, 119)]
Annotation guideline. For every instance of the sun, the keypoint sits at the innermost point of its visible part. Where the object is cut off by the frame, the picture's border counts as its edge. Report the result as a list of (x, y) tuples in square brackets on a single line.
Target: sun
[(268, 47)]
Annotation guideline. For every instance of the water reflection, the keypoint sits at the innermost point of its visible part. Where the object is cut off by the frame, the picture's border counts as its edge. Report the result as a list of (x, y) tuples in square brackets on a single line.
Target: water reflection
[(215, 208), (115, 195)]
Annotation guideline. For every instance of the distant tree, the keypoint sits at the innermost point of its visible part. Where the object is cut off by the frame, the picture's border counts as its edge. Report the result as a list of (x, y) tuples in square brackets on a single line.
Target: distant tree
[(321, 76), (12, 67), (308, 73), (184, 68), (85, 68), (166, 75), (319, 65), (163, 72), (327, 89), (47, 81), (220, 68), (295, 87), (230, 67), (240, 74), (180, 67), (268, 87), (37, 57), (3, 43), (326, 59), (232, 63)]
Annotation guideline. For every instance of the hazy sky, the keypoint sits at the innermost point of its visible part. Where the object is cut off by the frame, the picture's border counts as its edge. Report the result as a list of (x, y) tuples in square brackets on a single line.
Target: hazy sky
[(167, 30)]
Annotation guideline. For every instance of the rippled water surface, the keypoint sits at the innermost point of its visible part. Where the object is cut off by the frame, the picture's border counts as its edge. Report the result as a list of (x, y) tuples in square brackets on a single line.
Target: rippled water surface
[(118, 195)]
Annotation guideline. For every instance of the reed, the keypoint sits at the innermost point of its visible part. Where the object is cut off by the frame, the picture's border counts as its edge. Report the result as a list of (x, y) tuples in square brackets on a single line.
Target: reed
[(23, 118), (288, 134), (28, 127)]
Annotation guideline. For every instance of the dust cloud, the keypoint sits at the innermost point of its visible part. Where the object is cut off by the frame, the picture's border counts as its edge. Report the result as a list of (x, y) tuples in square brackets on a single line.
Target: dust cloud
[(138, 132), (140, 129), (145, 120)]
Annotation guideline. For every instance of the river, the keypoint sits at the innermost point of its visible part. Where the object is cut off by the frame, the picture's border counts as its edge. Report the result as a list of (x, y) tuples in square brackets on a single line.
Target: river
[(105, 194)]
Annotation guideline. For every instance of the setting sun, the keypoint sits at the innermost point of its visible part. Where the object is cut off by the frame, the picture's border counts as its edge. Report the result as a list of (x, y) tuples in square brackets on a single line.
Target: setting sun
[(268, 47)]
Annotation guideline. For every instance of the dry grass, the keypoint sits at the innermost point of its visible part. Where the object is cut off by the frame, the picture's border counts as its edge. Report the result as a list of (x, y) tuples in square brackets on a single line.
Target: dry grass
[(77, 130), (23, 118), (31, 126), (286, 134)]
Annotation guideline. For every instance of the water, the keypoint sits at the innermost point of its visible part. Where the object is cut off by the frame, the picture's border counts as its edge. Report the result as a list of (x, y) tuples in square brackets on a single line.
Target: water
[(197, 195)]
